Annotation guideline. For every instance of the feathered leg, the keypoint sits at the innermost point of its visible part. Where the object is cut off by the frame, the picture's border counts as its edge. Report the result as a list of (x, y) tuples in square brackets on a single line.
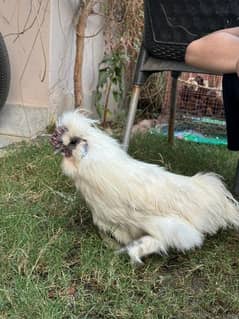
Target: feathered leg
[(144, 246), (165, 232)]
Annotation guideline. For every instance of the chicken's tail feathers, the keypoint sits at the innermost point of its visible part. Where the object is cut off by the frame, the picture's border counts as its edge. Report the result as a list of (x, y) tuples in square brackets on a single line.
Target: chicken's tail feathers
[(225, 197)]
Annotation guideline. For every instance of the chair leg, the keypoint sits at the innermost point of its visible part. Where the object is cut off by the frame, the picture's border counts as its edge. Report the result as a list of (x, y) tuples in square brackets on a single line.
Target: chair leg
[(236, 181), (173, 98), (131, 116)]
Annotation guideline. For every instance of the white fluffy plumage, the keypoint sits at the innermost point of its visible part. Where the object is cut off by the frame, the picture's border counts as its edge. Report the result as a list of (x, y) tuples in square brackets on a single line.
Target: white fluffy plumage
[(146, 208)]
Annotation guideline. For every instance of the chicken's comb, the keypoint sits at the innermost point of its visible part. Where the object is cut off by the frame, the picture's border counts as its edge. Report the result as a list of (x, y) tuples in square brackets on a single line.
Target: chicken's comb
[(55, 138)]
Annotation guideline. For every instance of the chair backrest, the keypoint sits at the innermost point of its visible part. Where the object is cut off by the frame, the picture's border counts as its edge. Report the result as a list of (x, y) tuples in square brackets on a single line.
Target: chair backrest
[(171, 24)]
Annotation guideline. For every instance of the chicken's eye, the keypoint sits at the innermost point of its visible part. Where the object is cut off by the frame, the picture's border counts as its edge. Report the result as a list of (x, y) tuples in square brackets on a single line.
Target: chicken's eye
[(74, 141)]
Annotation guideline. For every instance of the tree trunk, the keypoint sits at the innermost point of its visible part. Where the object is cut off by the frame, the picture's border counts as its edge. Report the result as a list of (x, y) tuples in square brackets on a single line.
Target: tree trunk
[(85, 10)]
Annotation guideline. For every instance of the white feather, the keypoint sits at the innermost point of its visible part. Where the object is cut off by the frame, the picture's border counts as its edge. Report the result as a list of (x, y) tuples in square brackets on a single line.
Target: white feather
[(133, 200)]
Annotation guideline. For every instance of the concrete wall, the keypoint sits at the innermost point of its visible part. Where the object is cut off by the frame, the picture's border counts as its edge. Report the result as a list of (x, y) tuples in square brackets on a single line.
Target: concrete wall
[(40, 37)]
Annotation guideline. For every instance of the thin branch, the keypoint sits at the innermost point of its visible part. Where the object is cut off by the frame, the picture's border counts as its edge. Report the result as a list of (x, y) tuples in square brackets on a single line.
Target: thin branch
[(4, 19), (90, 36), (25, 29), (27, 19), (83, 14), (106, 106), (43, 48), (34, 42)]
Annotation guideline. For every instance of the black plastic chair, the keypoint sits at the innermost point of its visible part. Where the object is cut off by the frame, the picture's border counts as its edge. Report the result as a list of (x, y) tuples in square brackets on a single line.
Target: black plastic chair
[(169, 26)]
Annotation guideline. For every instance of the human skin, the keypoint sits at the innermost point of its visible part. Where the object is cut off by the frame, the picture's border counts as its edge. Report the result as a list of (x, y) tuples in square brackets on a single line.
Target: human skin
[(217, 52)]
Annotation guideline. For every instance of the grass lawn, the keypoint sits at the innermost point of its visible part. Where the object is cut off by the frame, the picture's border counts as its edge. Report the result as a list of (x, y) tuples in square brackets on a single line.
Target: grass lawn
[(55, 265)]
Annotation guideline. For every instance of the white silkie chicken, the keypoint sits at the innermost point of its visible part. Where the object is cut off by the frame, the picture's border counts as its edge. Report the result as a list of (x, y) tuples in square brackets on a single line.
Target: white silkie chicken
[(146, 208)]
